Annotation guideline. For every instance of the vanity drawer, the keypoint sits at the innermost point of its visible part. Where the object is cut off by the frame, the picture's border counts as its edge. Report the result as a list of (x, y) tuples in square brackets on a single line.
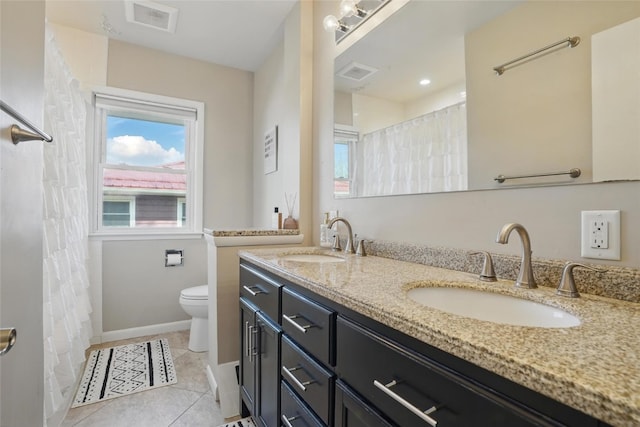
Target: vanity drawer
[(310, 380), (294, 411), (310, 325), (401, 383), (262, 291)]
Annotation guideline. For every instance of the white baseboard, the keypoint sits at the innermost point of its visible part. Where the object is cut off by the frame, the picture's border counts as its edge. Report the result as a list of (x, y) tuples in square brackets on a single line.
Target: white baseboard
[(142, 331), (212, 383)]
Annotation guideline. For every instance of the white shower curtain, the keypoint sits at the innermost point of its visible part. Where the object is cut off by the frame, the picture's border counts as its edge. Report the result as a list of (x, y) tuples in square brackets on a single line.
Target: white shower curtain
[(425, 154), (67, 325)]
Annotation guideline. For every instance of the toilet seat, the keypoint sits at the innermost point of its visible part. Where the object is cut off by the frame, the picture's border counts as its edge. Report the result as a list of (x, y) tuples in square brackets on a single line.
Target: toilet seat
[(197, 293)]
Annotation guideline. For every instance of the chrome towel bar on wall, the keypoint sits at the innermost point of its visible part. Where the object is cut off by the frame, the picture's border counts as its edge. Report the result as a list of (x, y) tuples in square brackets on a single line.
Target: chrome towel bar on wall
[(17, 133), (573, 173), (570, 41)]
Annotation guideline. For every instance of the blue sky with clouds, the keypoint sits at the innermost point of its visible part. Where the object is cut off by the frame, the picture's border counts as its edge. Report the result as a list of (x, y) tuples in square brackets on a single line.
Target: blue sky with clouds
[(143, 143)]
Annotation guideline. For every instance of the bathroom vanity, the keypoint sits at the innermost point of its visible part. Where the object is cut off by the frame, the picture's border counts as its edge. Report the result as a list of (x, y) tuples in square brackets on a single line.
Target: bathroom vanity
[(337, 342)]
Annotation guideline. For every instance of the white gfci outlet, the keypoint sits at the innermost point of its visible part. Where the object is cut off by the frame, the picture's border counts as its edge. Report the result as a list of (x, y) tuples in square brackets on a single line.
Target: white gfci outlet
[(601, 234)]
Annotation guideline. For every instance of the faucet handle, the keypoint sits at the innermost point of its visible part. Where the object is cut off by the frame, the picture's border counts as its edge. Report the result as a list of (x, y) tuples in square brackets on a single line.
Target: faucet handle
[(567, 286), (336, 243), (487, 274), (360, 250)]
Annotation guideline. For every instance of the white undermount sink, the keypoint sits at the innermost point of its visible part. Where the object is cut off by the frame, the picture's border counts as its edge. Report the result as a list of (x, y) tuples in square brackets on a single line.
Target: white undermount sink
[(311, 258), (493, 307)]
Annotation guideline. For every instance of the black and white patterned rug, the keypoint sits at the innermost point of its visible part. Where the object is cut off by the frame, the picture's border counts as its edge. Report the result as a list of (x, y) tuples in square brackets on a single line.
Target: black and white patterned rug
[(245, 422), (118, 371)]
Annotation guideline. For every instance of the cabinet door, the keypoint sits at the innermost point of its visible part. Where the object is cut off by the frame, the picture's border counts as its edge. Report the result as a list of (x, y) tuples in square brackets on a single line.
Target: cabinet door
[(248, 354), (352, 411), (268, 369)]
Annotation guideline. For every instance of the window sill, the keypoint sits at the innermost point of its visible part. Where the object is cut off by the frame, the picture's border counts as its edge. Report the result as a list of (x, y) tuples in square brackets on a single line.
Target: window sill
[(182, 235)]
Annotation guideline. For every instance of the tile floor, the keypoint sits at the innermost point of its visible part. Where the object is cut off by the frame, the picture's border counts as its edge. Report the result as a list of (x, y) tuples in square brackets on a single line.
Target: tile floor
[(187, 403)]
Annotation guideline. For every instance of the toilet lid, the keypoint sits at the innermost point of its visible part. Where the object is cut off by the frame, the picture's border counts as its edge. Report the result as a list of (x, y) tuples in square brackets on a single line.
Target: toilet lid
[(196, 292)]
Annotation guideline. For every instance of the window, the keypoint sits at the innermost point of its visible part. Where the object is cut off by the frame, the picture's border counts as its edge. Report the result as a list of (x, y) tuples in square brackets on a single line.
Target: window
[(345, 137), (118, 211), (147, 164)]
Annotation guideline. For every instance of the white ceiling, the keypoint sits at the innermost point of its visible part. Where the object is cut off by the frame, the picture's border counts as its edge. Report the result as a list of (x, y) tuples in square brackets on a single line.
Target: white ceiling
[(236, 33), (424, 39)]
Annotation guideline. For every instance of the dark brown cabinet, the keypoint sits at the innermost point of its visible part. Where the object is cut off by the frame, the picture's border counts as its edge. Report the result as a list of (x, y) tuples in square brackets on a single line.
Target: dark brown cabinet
[(259, 375), (308, 361)]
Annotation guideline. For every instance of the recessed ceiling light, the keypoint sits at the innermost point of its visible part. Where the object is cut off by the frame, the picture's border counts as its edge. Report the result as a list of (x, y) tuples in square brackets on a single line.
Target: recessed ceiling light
[(425, 82)]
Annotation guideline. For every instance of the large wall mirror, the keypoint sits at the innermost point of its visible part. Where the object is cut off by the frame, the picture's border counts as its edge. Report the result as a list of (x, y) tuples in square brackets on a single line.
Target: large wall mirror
[(562, 109)]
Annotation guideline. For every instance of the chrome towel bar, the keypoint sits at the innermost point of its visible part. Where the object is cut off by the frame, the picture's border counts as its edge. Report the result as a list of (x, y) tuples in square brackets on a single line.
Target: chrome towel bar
[(18, 134), (573, 173), (571, 42)]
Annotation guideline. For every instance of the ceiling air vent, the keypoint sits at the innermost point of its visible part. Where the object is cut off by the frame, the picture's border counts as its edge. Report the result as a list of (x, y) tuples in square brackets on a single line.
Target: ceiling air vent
[(357, 72), (152, 15)]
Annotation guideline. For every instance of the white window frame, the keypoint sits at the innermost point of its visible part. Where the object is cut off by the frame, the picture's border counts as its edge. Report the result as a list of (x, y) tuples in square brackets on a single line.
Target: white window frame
[(128, 100), (181, 202), (350, 135)]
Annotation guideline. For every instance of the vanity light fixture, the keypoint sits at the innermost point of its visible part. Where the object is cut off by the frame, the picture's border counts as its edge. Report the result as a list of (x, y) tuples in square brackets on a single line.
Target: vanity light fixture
[(352, 14), (350, 8), (331, 23)]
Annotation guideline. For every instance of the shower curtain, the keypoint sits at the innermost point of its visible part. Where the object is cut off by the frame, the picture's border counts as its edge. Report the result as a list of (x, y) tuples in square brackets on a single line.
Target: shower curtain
[(67, 325), (422, 155)]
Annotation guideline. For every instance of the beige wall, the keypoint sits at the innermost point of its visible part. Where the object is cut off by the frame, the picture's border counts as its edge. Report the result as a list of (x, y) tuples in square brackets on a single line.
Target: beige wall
[(283, 98), (85, 54), (134, 275), (228, 97), (536, 117), (468, 220), (138, 290)]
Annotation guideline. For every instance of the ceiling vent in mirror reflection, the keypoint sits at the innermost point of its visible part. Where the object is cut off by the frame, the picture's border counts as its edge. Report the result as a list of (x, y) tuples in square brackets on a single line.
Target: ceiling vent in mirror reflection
[(152, 15), (356, 71)]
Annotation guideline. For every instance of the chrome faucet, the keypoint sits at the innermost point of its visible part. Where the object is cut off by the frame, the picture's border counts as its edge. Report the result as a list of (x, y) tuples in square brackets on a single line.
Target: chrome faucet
[(349, 247), (525, 277)]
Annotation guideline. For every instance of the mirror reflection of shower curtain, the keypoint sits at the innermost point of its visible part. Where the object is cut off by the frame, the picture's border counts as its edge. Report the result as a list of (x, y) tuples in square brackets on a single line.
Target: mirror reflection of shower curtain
[(67, 325), (422, 155)]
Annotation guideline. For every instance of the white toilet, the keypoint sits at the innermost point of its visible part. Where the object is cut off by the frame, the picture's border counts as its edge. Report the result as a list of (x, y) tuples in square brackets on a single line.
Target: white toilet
[(195, 302)]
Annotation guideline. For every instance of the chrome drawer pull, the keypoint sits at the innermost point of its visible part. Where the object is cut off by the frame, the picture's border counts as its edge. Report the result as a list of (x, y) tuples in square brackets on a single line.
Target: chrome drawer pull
[(302, 329), (251, 290), (422, 414), (287, 421), (246, 338), (253, 331), (288, 373)]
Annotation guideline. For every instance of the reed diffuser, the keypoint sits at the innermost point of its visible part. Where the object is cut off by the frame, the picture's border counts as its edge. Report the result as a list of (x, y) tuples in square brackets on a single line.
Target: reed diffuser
[(289, 222)]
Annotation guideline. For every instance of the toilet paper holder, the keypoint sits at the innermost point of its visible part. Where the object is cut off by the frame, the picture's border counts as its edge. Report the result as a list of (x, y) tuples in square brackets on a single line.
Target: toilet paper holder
[(173, 258)]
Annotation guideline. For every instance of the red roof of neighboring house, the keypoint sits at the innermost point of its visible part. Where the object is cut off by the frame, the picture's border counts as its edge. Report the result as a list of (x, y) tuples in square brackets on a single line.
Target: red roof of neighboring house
[(122, 178)]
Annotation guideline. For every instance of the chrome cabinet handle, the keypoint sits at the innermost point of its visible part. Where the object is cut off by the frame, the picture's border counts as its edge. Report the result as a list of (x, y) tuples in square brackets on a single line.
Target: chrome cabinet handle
[(251, 290), (301, 328), (288, 373), (422, 414), (253, 331), (7, 339), (246, 338), (287, 421)]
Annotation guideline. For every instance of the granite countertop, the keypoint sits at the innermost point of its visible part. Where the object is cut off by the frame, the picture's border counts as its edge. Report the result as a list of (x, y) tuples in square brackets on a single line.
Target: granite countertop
[(252, 232), (593, 367)]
